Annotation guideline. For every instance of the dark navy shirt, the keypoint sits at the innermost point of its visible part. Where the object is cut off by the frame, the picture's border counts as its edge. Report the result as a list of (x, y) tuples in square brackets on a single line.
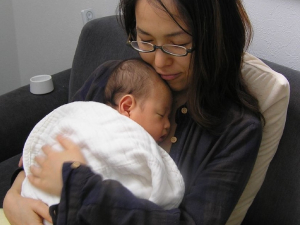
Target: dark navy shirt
[(215, 167)]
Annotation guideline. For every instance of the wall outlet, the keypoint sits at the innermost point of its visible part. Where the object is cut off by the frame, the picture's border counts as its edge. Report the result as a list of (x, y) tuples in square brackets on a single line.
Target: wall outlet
[(87, 15)]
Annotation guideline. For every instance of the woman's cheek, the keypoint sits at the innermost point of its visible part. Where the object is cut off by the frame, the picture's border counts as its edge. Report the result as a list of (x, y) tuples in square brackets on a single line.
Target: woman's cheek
[(148, 58)]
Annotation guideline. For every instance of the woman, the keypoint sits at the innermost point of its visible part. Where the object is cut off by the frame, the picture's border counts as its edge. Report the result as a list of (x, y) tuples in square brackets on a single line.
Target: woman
[(197, 47)]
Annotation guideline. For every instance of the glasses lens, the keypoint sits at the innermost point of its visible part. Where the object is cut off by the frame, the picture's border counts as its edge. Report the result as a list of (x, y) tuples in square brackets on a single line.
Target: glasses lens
[(142, 46), (175, 49)]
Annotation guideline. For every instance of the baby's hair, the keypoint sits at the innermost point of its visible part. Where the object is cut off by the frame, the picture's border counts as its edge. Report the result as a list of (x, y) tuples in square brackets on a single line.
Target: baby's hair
[(132, 76)]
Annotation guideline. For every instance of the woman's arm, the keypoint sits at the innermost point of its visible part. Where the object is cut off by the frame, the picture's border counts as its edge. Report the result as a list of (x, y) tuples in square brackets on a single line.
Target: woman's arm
[(22, 211)]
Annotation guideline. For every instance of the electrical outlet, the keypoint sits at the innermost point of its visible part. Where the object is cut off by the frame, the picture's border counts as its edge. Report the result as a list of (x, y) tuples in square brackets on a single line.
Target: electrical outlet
[(87, 15)]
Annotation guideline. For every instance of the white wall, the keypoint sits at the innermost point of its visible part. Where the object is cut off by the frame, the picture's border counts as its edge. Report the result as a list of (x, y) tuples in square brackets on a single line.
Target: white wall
[(9, 69), (44, 36), (276, 30), (40, 37)]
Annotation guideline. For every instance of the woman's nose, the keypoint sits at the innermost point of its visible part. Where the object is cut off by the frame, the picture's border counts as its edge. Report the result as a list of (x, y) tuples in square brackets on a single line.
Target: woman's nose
[(162, 59)]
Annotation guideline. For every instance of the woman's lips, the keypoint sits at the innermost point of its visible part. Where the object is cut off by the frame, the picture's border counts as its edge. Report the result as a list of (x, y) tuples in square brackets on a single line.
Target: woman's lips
[(169, 76)]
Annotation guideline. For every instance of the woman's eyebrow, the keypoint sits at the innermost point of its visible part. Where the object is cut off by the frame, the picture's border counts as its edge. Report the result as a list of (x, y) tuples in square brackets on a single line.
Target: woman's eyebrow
[(177, 33)]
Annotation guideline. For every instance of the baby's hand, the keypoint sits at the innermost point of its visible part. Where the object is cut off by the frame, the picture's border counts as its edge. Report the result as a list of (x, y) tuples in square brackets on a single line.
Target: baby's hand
[(48, 174)]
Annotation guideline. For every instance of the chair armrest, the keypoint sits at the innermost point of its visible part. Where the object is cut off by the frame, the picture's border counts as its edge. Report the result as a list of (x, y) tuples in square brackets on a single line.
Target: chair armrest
[(21, 110)]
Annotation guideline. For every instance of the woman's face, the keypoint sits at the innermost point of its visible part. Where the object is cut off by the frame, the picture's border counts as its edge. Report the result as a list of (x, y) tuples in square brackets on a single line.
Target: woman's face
[(156, 26)]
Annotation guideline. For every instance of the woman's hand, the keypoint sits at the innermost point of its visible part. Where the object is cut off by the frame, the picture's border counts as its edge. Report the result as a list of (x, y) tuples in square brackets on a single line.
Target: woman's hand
[(21, 211), (48, 176)]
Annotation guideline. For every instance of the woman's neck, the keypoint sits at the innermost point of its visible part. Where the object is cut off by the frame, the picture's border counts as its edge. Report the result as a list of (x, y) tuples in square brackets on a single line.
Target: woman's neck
[(179, 98)]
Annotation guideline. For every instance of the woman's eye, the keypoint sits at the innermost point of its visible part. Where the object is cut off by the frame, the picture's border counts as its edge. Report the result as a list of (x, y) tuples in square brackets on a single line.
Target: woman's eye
[(149, 41), (178, 43), (144, 39), (183, 45), (181, 42)]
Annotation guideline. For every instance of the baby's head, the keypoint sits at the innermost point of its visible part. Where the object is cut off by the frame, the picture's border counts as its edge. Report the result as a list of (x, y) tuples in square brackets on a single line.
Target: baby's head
[(135, 90)]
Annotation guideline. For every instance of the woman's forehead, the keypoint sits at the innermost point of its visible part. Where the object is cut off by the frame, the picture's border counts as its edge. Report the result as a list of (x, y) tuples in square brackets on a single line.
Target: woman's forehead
[(155, 9), (151, 16)]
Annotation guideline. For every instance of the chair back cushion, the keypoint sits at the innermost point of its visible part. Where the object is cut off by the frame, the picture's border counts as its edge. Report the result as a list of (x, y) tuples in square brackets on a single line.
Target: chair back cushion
[(278, 200), (100, 40), (272, 91)]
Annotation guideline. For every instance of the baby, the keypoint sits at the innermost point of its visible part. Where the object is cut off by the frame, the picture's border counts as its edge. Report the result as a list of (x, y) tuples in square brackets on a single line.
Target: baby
[(113, 137)]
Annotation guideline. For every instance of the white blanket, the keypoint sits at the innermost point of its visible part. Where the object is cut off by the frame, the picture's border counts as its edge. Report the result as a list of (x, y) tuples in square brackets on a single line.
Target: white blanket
[(114, 146)]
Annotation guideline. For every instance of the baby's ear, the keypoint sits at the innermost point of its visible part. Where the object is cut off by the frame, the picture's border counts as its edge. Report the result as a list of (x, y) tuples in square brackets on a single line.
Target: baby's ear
[(126, 104)]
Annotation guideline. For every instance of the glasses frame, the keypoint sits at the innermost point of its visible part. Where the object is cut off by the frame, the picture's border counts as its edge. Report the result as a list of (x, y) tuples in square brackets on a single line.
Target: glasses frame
[(188, 50)]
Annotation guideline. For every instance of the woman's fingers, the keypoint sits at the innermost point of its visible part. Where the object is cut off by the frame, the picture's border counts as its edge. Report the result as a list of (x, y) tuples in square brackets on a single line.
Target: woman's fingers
[(40, 160), (47, 149), (35, 171), (66, 143), (20, 164), (23, 211), (72, 150), (47, 181), (34, 180), (42, 210), (48, 174)]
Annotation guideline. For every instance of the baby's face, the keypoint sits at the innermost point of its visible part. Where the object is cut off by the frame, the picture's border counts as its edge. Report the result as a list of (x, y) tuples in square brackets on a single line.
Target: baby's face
[(154, 115)]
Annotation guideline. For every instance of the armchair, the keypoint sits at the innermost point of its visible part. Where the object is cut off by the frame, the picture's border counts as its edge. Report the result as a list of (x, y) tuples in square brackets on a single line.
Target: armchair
[(278, 201)]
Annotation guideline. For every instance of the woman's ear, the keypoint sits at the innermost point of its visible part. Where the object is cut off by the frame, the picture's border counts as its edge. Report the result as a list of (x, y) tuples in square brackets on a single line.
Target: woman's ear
[(126, 104)]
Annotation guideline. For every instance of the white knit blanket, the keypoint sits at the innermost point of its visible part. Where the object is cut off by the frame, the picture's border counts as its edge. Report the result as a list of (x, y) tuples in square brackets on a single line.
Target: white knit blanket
[(114, 146)]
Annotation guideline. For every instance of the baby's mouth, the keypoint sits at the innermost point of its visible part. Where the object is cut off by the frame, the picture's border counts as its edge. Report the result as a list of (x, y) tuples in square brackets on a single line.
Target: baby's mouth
[(162, 138)]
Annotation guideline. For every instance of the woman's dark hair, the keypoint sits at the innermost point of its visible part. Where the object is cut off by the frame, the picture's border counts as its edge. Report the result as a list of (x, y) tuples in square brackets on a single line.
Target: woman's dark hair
[(221, 33)]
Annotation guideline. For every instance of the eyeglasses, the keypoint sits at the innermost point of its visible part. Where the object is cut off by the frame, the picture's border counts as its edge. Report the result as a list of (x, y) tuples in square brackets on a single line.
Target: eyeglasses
[(146, 47)]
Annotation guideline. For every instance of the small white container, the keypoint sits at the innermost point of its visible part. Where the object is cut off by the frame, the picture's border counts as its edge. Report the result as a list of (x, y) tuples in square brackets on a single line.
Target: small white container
[(41, 84)]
